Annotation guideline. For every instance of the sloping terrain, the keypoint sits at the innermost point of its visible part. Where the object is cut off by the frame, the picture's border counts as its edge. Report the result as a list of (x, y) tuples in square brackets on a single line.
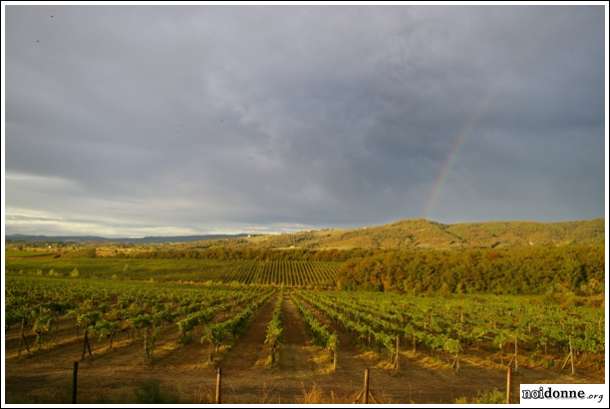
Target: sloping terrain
[(421, 233)]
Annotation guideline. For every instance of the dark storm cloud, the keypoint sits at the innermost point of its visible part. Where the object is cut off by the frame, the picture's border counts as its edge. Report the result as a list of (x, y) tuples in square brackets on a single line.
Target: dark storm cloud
[(170, 120)]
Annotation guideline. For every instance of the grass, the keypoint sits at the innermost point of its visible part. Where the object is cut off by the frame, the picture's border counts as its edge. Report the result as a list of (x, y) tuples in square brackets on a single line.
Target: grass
[(494, 396), (160, 269), (150, 391)]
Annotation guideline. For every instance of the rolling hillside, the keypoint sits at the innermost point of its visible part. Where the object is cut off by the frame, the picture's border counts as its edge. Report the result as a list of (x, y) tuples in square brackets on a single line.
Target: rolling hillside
[(421, 233)]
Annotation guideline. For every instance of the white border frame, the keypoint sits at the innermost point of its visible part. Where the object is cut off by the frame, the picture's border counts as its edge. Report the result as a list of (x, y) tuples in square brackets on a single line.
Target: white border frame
[(375, 3)]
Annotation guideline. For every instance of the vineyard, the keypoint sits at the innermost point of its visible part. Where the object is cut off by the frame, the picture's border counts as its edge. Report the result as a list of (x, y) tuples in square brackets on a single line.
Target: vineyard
[(125, 332), (279, 272), (455, 326), (128, 309), (290, 273)]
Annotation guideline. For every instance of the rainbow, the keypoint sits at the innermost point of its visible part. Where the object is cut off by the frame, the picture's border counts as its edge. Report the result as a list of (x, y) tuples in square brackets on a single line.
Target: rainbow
[(458, 141)]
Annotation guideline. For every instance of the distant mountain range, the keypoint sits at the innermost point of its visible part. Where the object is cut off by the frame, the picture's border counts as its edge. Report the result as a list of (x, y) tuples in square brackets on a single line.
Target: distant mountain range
[(127, 240), (421, 233)]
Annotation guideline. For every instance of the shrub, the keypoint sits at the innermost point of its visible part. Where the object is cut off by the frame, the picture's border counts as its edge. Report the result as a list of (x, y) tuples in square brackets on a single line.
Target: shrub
[(494, 396), (149, 391)]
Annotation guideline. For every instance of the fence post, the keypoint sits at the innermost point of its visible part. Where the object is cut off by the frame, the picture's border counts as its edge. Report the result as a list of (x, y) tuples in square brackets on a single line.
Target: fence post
[(509, 381), (365, 396), (571, 355), (335, 359), (218, 380), (74, 381)]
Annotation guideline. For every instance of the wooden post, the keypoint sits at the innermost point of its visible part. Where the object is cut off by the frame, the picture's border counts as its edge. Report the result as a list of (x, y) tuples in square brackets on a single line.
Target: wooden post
[(273, 347), (509, 381), (397, 361), (23, 340), (74, 381), (218, 380), (516, 351), (365, 396), (84, 346), (335, 359), (571, 354)]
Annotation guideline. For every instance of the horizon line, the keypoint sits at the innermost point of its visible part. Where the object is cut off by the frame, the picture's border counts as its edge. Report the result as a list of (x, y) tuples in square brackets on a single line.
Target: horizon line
[(259, 233)]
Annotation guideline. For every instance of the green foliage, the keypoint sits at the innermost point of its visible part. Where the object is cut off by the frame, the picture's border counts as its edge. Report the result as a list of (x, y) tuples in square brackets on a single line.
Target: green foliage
[(494, 396), (453, 325), (230, 329), (104, 308), (173, 268), (522, 270), (149, 392), (412, 256), (323, 336), (274, 331)]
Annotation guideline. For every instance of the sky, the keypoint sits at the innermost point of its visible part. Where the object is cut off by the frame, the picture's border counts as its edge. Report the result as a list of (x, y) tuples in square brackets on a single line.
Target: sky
[(175, 120)]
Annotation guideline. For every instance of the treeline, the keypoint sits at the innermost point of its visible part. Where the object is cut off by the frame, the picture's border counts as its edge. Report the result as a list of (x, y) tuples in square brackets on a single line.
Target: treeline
[(517, 270), (249, 253)]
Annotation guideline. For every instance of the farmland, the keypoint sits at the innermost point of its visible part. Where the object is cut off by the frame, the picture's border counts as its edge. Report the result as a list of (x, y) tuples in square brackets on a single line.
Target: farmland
[(296, 323), (283, 344), (291, 273)]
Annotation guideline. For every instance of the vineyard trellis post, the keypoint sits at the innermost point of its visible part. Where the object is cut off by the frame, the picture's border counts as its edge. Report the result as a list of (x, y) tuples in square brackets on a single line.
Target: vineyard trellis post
[(571, 354), (217, 398), (23, 340), (335, 358), (74, 381), (86, 344), (365, 396), (414, 343), (509, 381), (516, 351), (569, 357), (397, 358)]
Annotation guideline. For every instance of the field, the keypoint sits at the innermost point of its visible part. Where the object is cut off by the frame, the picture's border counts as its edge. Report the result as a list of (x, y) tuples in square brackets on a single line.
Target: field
[(152, 342), (290, 273)]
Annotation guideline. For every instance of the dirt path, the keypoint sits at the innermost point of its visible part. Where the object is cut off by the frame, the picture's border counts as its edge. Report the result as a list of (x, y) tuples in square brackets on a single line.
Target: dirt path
[(296, 351), (250, 346), (247, 380)]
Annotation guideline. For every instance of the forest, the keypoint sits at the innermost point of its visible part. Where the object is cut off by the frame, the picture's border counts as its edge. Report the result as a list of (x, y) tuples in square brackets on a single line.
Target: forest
[(521, 270)]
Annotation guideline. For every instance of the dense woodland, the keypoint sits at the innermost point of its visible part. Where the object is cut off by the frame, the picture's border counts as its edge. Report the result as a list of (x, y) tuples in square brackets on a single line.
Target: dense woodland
[(252, 253), (522, 270)]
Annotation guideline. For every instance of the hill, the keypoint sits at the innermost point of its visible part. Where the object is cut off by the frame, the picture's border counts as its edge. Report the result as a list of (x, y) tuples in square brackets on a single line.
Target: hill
[(421, 233), (403, 234)]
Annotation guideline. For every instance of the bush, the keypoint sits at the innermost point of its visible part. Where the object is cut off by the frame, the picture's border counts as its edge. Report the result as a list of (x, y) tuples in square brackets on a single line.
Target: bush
[(53, 273), (494, 396), (150, 392)]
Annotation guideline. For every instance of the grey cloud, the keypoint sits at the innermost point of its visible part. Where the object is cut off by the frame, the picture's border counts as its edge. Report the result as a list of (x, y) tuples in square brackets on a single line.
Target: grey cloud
[(206, 118)]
